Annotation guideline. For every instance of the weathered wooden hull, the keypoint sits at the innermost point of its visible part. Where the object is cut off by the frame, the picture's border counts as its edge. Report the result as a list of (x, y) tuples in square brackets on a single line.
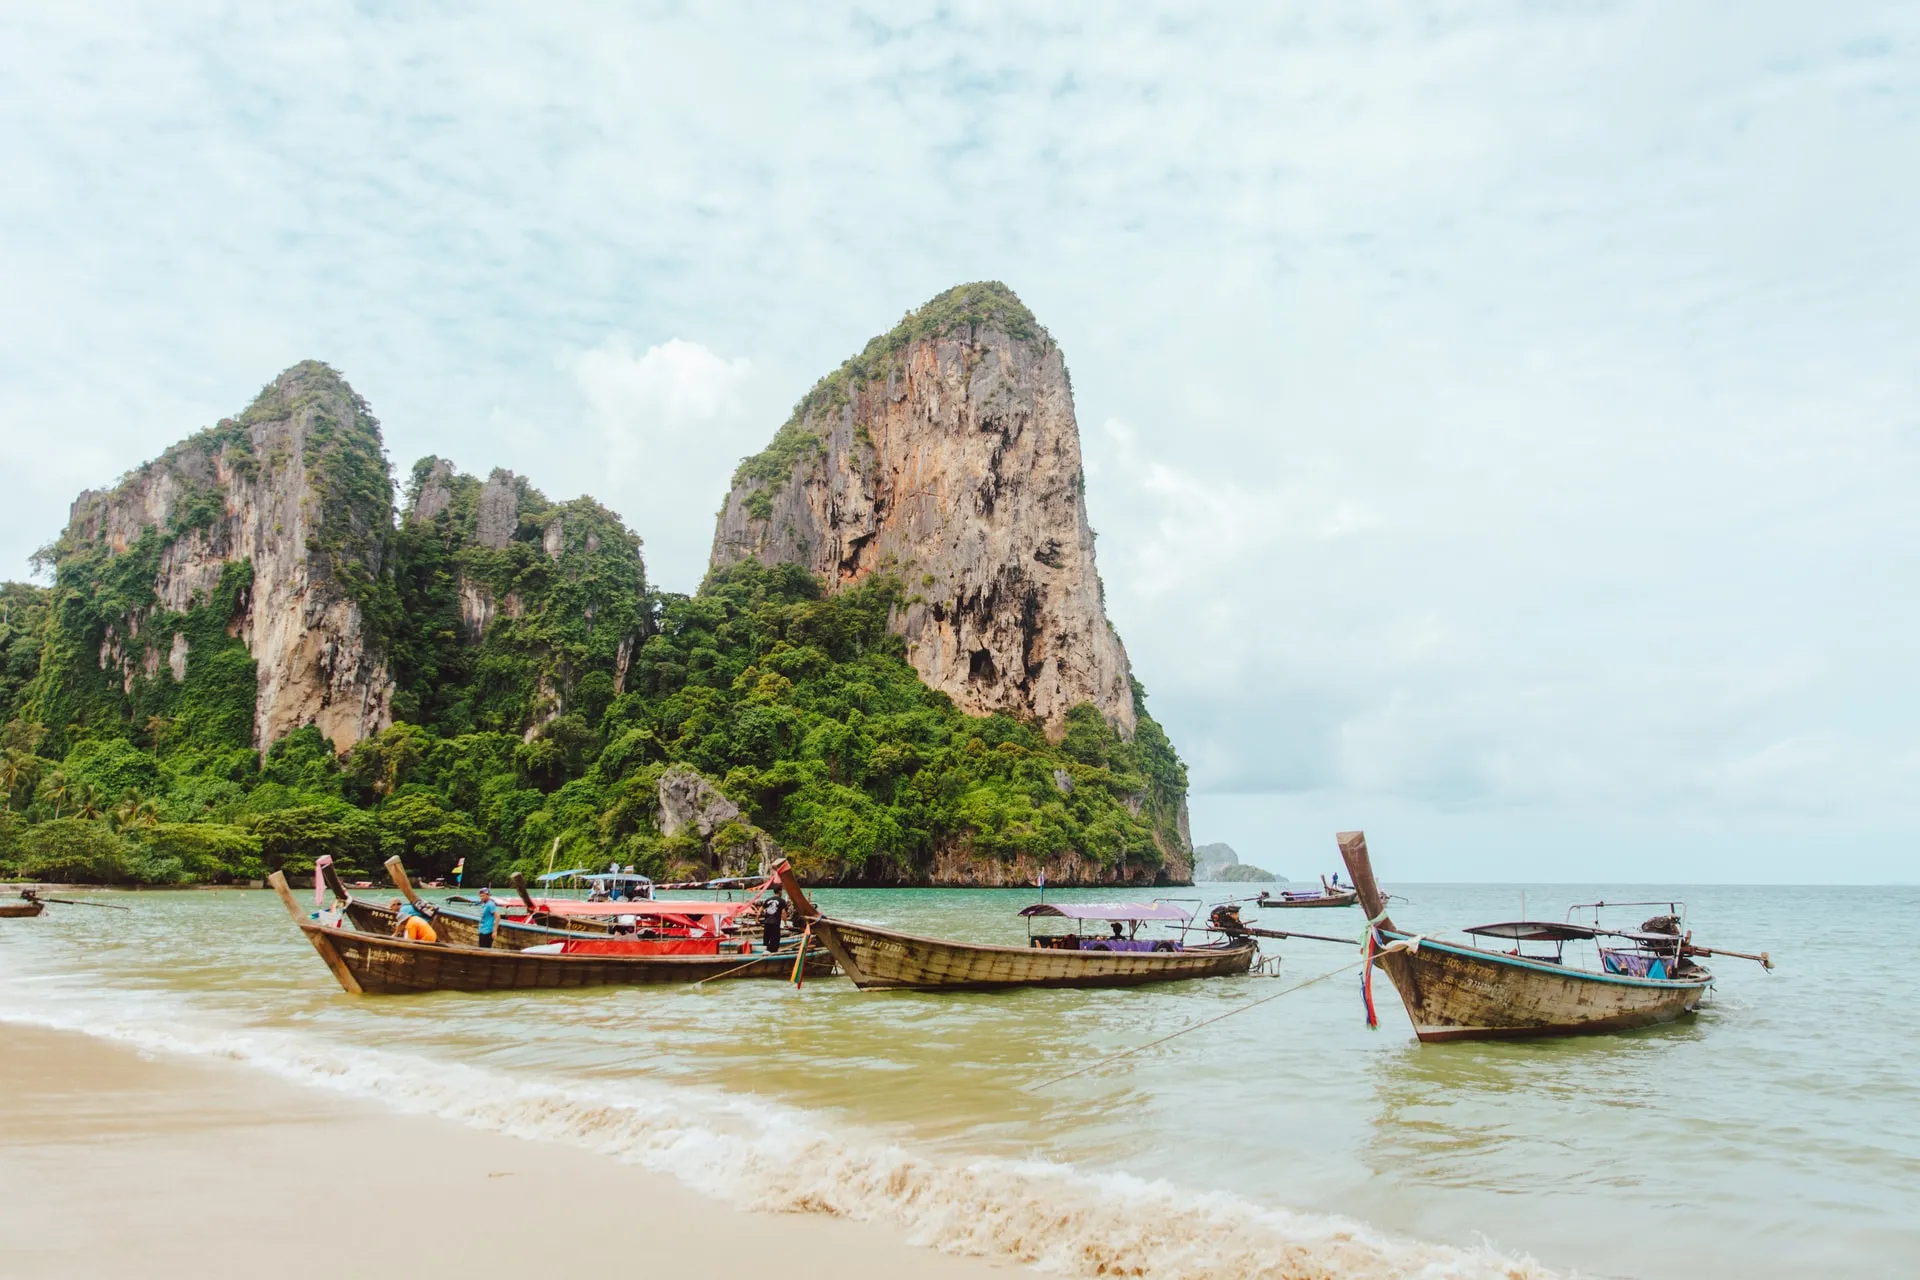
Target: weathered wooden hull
[(1337, 900), (881, 959), (366, 963), (20, 910), (1459, 993)]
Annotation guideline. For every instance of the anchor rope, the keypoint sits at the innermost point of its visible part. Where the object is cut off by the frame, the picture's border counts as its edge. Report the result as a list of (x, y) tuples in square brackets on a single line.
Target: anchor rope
[(1204, 1022)]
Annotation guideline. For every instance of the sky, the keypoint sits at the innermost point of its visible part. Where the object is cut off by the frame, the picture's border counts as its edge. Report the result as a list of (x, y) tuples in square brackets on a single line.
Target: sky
[(1501, 419)]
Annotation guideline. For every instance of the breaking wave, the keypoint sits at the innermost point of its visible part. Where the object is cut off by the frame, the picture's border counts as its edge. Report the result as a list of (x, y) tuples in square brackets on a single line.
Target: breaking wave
[(766, 1156)]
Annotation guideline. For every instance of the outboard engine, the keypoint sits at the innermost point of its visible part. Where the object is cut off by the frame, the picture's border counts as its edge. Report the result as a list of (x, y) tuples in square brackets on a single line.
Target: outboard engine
[(1226, 918)]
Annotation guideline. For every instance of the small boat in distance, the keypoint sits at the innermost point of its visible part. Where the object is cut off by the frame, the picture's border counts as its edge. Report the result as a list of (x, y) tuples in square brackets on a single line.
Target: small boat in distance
[(26, 909), (1327, 895), (1461, 991), (882, 958)]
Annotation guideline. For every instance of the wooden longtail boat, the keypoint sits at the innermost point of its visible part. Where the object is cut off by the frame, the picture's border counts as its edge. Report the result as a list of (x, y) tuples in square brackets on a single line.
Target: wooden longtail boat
[(881, 958), (21, 910), (365, 963), (1455, 991), (1313, 898), (536, 929)]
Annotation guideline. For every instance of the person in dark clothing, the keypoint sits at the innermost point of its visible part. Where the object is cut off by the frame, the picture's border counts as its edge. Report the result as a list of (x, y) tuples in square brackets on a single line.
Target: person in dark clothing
[(770, 915)]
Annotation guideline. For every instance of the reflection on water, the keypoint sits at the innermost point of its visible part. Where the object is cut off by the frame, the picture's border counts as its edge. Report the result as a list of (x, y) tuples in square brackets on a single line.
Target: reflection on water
[(1777, 1133)]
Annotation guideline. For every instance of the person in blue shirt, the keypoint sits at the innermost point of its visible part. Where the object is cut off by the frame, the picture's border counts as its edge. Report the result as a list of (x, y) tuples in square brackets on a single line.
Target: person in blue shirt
[(489, 917)]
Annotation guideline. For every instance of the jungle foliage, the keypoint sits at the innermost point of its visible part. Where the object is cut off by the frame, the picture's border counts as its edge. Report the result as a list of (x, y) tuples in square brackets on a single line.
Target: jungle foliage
[(542, 688)]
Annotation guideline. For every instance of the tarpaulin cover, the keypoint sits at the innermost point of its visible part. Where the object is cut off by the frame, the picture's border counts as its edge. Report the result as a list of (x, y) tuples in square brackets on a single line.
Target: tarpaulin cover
[(641, 947), (649, 907)]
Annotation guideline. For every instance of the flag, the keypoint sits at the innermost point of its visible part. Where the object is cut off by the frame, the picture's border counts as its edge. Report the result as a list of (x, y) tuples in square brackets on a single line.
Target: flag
[(459, 870)]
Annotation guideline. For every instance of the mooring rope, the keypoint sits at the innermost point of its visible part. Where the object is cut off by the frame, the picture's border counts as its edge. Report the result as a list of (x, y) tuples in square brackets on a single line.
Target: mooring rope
[(1204, 1022)]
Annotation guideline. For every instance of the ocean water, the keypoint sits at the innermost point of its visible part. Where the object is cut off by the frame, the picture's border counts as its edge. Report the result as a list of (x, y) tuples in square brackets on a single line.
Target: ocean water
[(1775, 1134)]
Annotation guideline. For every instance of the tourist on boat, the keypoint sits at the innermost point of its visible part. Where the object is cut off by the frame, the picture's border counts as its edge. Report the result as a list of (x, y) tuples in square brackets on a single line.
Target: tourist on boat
[(1117, 934), (489, 917), (770, 915), (416, 929)]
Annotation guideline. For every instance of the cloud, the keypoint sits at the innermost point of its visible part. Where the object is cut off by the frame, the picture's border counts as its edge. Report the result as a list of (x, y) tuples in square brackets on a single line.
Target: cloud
[(671, 426), (1502, 412)]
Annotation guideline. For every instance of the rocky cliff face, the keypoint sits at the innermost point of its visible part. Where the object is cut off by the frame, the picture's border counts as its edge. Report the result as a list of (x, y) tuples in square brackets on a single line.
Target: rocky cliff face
[(947, 453), (297, 489)]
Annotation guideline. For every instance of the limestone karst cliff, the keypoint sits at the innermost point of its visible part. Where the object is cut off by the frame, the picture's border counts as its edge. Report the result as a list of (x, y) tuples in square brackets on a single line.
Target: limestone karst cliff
[(267, 529), (898, 671), (947, 453)]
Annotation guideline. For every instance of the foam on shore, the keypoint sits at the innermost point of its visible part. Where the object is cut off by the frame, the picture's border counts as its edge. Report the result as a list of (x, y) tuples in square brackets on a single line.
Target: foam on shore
[(762, 1155)]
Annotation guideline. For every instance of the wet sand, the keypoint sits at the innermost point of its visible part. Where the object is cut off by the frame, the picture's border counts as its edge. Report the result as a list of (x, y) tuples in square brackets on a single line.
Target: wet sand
[(116, 1164)]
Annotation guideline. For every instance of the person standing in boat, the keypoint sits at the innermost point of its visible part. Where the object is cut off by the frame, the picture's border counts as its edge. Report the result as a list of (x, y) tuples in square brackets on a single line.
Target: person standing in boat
[(489, 917), (770, 915)]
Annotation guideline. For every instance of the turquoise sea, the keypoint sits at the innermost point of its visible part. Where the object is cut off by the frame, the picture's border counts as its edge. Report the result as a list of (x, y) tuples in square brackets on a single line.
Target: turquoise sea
[(1775, 1134)]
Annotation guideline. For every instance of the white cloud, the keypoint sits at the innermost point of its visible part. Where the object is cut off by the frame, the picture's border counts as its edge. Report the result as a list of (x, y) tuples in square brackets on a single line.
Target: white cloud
[(1517, 399), (672, 424)]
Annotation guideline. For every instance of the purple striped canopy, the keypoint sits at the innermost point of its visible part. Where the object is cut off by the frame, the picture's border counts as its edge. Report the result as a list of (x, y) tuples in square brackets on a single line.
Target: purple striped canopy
[(1106, 911)]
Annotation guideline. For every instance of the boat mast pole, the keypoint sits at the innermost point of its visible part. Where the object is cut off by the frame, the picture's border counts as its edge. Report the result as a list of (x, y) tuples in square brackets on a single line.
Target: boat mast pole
[(398, 874), (1353, 852)]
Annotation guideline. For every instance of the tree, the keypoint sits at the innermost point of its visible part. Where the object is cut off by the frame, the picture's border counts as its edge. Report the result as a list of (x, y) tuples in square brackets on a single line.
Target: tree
[(71, 850), (58, 789), (19, 770), (134, 810), (158, 727), (88, 803)]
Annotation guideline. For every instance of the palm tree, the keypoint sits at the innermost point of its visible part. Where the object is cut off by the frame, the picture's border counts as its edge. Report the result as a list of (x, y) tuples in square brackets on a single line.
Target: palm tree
[(87, 801), (135, 811), (158, 726), (18, 770), (59, 789)]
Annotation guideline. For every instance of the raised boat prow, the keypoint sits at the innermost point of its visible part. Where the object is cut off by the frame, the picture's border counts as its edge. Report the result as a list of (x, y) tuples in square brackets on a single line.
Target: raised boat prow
[(1353, 852)]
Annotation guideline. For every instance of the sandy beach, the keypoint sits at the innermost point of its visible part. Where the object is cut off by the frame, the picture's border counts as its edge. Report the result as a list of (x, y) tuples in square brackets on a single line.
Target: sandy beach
[(112, 1163)]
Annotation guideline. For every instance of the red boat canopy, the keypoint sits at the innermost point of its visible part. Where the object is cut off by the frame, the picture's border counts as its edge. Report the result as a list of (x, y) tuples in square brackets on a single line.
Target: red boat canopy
[(1107, 911), (666, 907)]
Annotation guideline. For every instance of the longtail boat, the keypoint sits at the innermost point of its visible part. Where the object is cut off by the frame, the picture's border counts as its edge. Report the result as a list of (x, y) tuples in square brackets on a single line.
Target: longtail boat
[(1461, 991), (32, 903), (642, 919), (882, 958), (368, 964), (1325, 896)]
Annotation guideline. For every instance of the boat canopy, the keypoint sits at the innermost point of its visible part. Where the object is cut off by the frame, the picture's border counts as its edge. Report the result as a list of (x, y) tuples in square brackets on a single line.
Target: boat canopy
[(1107, 911), (610, 878), (1534, 931), (551, 876), (643, 907)]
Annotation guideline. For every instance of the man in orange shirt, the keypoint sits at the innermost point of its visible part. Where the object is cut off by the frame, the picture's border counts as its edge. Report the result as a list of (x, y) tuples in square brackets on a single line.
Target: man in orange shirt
[(417, 929)]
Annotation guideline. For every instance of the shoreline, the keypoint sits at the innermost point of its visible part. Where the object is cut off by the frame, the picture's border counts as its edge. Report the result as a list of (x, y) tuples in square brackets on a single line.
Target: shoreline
[(113, 1161)]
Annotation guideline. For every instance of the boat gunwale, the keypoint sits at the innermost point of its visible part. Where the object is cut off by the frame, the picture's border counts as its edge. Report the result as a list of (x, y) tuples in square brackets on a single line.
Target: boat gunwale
[(1205, 948), (531, 957), (1543, 966)]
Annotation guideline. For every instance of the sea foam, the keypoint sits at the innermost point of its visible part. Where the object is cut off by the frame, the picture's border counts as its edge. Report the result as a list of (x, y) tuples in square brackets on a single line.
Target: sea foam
[(763, 1155)]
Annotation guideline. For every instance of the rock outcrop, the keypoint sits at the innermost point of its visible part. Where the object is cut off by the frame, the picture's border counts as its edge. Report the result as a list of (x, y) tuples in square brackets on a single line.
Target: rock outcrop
[(690, 805), (947, 453), (296, 487)]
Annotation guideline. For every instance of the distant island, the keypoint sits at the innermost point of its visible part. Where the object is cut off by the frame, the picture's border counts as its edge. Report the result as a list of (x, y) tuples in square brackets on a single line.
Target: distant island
[(899, 668), (1220, 864)]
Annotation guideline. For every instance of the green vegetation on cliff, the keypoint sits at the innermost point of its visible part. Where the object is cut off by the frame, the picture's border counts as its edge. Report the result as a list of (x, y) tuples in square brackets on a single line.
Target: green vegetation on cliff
[(984, 304), (542, 689)]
